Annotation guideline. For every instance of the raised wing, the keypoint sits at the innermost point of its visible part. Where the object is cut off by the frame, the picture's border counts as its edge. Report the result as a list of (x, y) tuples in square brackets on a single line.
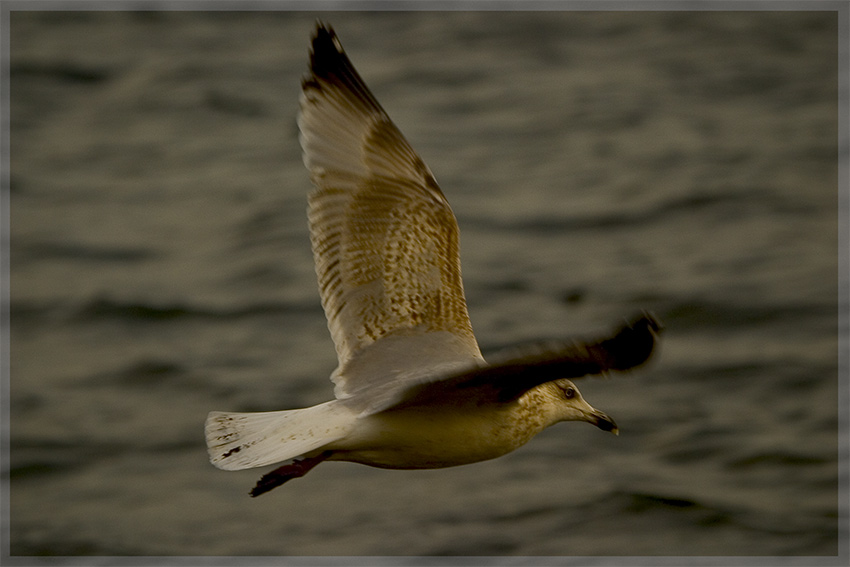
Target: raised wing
[(508, 377), (385, 240)]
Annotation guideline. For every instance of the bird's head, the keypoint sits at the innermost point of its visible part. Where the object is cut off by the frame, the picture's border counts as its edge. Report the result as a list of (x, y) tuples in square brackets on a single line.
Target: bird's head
[(567, 404)]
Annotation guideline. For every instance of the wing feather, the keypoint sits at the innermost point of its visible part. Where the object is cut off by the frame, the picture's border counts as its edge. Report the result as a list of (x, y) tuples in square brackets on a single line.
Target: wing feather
[(508, 377), (385, 240)]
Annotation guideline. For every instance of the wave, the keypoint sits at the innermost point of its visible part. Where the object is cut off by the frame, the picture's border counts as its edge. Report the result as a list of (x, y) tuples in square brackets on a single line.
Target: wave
[(64, 71), (51, 251), (730, 203), (24, 312), (699, 314)]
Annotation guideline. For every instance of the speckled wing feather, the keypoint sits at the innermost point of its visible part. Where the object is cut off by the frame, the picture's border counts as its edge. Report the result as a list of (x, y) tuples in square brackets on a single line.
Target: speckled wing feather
[(385, 240)]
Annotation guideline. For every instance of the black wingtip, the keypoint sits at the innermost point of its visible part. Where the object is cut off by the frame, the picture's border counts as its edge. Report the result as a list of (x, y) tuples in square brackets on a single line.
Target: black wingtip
[(330, 66), (324, 35), (634, 343), (326, 54)]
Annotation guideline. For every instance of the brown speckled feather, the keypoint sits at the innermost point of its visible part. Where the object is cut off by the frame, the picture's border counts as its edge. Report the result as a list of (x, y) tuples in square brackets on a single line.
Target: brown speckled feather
[(384, 238)]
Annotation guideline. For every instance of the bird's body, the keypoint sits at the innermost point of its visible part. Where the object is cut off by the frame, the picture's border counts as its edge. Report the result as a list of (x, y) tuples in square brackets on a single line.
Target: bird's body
[(412, 388), (446, 434)]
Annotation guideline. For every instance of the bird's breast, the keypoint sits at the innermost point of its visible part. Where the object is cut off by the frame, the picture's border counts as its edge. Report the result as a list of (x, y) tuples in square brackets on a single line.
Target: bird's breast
[(432, 437)]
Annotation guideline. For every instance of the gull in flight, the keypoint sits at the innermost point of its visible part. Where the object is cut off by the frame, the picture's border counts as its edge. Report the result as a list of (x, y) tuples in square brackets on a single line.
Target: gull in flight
[(412, 390)]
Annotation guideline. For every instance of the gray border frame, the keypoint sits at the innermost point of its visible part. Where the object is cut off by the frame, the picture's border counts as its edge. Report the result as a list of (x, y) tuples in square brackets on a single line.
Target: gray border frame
[(842, 7)]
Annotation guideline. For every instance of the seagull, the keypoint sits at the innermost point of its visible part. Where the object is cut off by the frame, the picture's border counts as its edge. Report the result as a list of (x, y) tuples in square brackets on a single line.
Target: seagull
[(412, 390)]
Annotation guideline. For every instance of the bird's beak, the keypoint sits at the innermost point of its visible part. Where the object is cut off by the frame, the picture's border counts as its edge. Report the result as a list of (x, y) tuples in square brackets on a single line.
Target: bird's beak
[(603, 422)]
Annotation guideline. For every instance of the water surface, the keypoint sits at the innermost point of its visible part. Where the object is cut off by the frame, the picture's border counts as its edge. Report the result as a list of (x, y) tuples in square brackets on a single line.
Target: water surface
[(598, 164)]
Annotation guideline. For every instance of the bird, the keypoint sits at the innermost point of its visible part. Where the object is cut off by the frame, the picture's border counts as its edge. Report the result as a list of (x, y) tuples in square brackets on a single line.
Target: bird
[(411, 389)]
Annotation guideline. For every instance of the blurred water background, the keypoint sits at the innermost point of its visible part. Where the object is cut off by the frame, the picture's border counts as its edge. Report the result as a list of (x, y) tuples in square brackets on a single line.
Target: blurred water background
[(599, 163)]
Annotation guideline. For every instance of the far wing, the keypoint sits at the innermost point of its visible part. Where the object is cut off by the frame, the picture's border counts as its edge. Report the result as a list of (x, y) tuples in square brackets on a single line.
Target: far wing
[(385, 240), (509, 378)]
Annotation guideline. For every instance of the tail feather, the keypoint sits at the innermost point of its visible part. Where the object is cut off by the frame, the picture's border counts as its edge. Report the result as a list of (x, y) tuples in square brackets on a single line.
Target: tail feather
[(238, 441)]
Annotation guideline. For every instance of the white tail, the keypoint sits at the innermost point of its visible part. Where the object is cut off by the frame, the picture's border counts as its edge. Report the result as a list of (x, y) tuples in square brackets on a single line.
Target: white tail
[(238, 441)]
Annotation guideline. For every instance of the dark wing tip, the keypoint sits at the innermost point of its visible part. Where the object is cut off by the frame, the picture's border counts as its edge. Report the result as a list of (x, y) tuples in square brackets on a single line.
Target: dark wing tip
[(329, 65), (326, 54), (634, 342)]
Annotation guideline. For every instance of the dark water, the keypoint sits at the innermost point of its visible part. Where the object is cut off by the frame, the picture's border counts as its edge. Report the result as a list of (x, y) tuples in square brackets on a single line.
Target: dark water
[(598, 164)]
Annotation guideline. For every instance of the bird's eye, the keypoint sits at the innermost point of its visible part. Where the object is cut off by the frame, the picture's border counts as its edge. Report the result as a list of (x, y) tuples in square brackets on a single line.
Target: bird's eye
[(570, 393)]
